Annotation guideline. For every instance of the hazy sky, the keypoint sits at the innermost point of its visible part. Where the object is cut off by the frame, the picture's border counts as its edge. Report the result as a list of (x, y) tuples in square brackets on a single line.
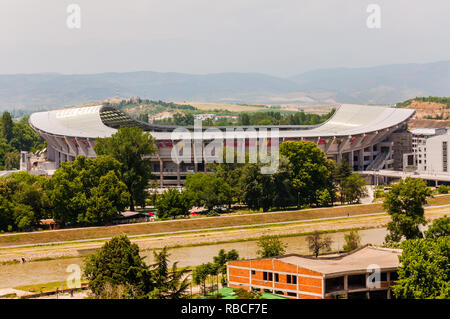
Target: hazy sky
[(279, 37)]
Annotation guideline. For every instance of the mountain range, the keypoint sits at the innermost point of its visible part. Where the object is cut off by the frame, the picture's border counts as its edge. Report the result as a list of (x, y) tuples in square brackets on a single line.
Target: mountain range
[(387, 84)]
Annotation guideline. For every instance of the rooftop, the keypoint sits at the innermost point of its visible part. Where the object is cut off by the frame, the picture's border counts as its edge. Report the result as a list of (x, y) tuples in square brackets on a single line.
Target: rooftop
[(102, 121), (358, 260)]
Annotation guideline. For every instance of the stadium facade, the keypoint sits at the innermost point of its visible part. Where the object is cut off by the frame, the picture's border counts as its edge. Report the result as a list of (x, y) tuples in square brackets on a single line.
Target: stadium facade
[(360, 134)]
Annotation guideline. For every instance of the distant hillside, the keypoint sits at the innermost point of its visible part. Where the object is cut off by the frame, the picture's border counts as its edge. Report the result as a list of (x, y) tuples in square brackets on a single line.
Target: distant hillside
[(375, 85), (429, 108)]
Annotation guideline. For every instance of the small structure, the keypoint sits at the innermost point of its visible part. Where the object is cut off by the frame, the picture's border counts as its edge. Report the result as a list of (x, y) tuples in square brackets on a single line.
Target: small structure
[(50, 223), (367, 272)]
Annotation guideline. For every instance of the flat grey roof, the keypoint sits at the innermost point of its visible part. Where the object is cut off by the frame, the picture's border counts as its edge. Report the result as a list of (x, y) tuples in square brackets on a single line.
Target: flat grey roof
[(357, 261)]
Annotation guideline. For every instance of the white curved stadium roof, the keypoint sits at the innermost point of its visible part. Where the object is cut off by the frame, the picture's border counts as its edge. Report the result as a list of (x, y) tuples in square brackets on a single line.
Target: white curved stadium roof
[(349, 119)]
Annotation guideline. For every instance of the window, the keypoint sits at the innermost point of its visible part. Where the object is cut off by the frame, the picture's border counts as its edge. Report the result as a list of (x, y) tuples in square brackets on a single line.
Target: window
[(292, 294), (277, 278), (444, 156), (253, 272), (394, 276), (291, 279), (267, 276)]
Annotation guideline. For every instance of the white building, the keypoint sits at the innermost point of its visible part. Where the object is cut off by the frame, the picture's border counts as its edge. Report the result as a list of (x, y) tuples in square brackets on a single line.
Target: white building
[(435, 155), (203, 117), (419, 146)]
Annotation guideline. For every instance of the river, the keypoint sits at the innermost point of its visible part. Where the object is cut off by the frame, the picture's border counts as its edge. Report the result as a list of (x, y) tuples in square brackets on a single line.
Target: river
[(55, 270)]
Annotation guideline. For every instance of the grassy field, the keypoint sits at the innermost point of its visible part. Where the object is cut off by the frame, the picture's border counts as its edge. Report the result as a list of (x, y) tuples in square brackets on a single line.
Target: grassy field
[(195, 224)]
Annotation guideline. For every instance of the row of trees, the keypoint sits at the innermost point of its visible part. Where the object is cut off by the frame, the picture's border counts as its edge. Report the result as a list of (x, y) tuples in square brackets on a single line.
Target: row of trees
[(85, 191), (277, 118), (305, 177)]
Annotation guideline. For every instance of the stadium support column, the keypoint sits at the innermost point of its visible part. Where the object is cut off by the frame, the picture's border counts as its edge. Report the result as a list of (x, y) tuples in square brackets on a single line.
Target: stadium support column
[(178, 176), (344, 142), (361, 159), (161, 172), (351, 155)]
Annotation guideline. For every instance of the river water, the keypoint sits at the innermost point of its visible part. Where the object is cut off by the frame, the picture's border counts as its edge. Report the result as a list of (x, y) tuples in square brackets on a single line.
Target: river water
[(55, 270)]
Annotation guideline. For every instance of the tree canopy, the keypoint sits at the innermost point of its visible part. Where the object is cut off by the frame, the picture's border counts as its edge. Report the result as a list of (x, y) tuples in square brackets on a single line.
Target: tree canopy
[(439, 228), (23, 201), (270, 246), (87, 191), (118, 264), (16, 137), (404, 203), (424, 271), (208, 190), (131, 146), (173, 203), (310, 169)]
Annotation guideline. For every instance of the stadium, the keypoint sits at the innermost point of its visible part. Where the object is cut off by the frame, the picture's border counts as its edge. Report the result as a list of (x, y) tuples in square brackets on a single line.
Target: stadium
[(363, 135)]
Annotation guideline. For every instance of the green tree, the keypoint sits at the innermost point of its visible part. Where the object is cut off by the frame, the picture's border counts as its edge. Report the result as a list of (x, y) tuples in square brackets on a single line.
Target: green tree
[(270, 246), (439, 228), (221, 261), (24, 138), (23, 201), (208, 190), (267, 190), (353, 188), (118, 263), (316, 243), (341, 172), (323, 197), (169, 283), (173, 203), (7, 126), (311, 170), (424, 270), (12, 160), (87, 191), (352, 241), (201, 273), (131, 146), (404, 203), (442, 189)]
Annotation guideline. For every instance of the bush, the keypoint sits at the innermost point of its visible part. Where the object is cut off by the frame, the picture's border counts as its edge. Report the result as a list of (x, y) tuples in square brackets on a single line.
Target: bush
[(442, 189)]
